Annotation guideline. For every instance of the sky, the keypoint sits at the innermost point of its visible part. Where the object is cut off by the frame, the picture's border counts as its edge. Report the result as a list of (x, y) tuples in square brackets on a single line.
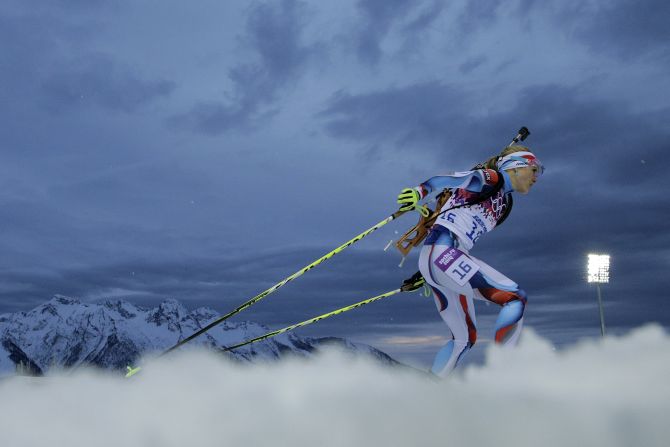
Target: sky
[(530, 396), (155, 150)]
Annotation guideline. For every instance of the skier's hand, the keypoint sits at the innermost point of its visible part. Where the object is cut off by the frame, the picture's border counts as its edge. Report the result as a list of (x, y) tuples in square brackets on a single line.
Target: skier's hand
[(408, 198), (413, 283)]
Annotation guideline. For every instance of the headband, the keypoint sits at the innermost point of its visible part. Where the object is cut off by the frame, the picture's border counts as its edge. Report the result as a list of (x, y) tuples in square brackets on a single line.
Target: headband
[(519, 159)]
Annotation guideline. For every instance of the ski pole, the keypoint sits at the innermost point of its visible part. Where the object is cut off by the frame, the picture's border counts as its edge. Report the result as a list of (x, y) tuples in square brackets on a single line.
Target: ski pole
[(267, 292), (312, 320), (409, 285), (405, 288)]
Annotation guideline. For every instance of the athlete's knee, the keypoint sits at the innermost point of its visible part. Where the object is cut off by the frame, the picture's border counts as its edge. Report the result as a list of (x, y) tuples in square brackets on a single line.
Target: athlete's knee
[(508, 318), (514, 308), (519, 304), (522, 295)]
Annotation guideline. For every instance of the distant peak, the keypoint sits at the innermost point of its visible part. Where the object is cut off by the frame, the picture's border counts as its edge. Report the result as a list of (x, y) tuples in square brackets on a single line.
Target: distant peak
[(169, 311), (62, 299), (172, 305), (124, 308)]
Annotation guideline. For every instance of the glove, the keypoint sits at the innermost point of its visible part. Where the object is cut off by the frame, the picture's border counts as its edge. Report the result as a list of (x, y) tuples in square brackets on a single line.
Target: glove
[(408, 200), (413, 283)]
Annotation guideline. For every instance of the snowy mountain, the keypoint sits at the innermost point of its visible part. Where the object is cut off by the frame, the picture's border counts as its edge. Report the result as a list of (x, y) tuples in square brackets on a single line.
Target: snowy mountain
[(66, 333)]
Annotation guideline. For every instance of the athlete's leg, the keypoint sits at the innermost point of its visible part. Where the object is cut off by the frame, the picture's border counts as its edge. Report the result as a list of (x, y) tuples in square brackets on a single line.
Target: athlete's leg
[(497, 288), (456, 308), (459, 317)]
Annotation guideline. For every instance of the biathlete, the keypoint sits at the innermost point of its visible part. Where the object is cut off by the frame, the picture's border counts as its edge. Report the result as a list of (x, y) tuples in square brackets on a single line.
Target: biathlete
[(480, 200)]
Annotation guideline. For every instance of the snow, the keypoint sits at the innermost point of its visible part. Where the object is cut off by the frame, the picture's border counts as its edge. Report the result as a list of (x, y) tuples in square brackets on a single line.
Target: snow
[(611, 392), (67, 333), (5, 362)]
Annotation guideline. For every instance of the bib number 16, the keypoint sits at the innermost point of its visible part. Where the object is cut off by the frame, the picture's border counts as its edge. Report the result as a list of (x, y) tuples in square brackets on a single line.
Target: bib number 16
[(457, 265)]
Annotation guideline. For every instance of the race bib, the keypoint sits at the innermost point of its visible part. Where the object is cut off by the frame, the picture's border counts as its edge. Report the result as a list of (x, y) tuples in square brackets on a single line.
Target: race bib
[(457, 265)]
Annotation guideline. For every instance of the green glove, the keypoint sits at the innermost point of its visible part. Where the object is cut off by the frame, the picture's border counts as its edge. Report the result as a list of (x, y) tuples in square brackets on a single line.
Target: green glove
[(409, 199)]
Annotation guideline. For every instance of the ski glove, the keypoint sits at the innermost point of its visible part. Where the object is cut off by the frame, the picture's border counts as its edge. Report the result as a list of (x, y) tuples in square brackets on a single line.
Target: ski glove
[(413, 283), (408, 200)]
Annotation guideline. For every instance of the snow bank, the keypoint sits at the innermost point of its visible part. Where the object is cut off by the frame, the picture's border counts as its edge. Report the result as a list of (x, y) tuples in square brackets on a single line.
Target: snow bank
[(598, 393)]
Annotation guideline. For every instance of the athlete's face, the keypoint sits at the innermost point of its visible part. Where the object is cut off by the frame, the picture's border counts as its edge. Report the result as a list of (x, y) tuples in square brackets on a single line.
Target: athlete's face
[(524, 178)]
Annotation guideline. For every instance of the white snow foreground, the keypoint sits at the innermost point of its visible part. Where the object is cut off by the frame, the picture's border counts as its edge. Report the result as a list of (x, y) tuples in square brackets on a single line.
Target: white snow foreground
[(597, 393)]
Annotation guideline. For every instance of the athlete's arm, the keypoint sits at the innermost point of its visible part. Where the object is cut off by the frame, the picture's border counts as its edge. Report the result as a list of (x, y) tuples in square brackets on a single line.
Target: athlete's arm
[(480, 180)]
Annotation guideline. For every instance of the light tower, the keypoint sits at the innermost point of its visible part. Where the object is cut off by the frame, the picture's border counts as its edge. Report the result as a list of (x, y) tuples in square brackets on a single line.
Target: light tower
[(599, 273)]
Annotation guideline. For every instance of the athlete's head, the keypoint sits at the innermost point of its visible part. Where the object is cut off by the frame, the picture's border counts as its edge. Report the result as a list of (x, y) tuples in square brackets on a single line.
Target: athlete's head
[(522, 166)]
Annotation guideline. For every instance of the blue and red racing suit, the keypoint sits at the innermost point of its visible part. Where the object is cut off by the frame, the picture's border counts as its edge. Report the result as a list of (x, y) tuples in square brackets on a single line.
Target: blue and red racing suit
[(477, 204)]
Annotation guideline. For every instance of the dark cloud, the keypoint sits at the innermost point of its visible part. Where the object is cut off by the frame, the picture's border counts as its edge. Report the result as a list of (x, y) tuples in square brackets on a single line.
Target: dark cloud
[(625, 28), (71, 6), (98, 80), (274, 34), (214, 118), (380, 16), (477, 15), (584, 128), (84, 4), (25, 45), (472, 64), (424, 18), (429, 116), (568, 125)]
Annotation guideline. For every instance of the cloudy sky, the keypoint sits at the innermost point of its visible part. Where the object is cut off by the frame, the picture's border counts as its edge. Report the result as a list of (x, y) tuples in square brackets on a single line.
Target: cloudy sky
[(205, 151)]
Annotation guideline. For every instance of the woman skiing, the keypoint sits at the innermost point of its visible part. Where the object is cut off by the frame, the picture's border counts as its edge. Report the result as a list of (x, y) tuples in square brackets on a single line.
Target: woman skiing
[(480, 200)]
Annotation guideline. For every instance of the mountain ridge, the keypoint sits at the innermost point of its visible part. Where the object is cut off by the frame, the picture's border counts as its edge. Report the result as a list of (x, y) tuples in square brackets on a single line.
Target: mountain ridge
[(67, 333)]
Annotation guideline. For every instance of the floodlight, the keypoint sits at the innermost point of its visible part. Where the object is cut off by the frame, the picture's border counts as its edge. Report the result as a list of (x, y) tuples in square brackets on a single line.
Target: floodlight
[(598, 272), (599, 268)]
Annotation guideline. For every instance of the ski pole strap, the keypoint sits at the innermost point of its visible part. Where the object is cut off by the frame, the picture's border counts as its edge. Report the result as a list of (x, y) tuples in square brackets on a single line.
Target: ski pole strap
[(422, 210), (267, 292), (407, 287)]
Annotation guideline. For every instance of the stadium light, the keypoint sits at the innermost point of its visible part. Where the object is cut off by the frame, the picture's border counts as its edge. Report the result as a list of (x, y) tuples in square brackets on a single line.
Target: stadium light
[(599, 273)]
